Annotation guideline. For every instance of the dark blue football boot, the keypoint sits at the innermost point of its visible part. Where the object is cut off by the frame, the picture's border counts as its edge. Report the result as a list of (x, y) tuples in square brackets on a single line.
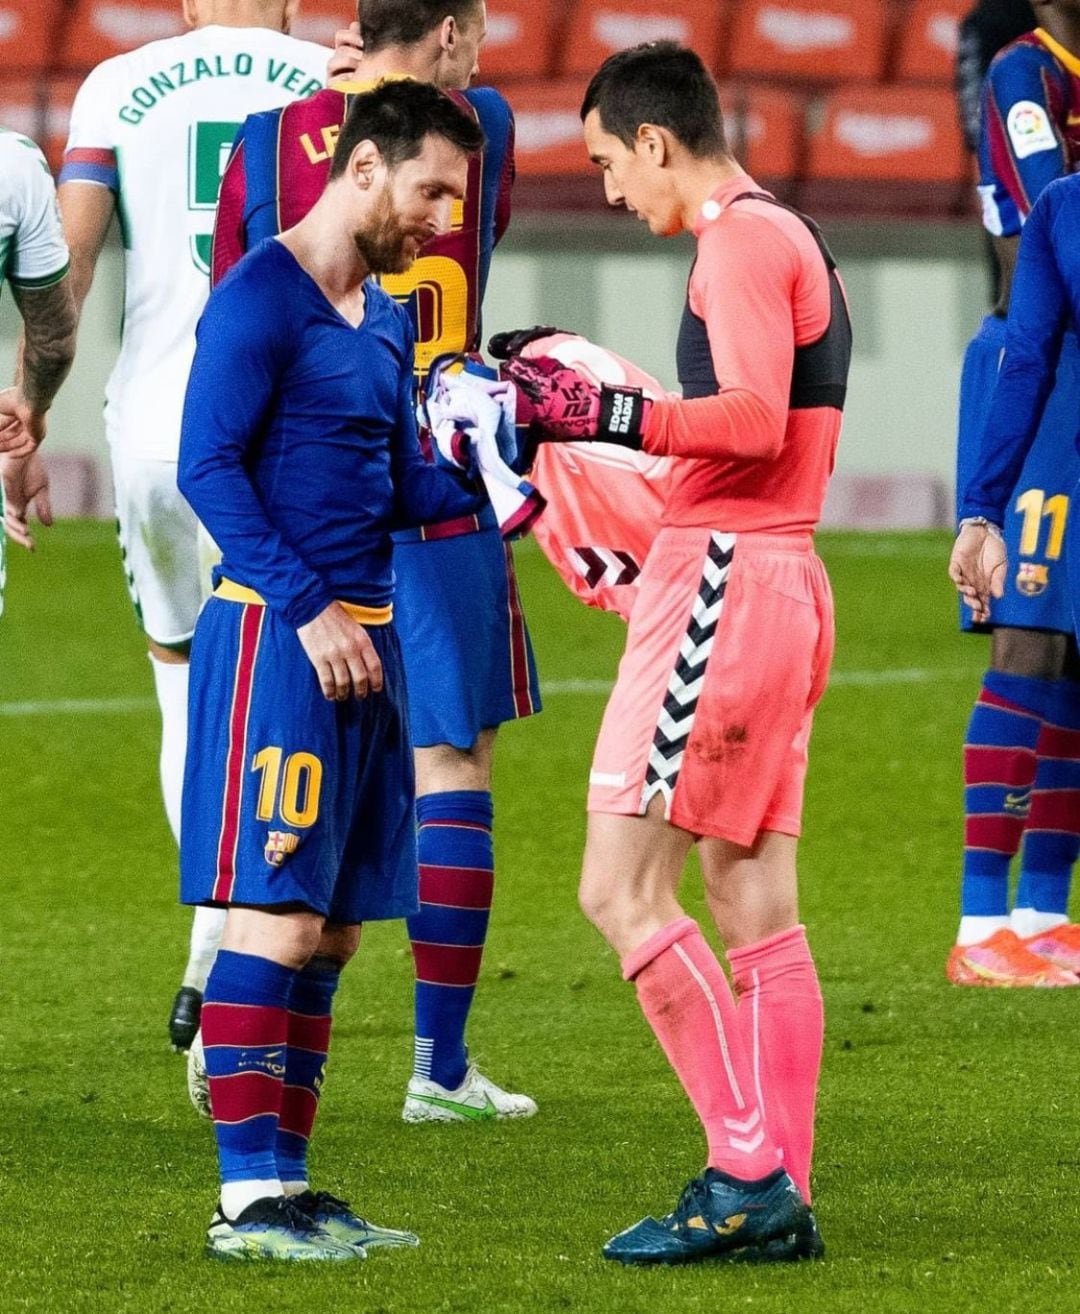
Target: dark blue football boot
[(719, 1216)]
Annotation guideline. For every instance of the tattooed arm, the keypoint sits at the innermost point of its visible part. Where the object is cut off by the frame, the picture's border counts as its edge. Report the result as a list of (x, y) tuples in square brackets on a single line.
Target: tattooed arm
[(48, 344)]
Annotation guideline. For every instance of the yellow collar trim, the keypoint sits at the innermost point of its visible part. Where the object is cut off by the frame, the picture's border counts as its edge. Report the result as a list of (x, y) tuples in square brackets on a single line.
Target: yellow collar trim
[(356, 87), (1071, 61)]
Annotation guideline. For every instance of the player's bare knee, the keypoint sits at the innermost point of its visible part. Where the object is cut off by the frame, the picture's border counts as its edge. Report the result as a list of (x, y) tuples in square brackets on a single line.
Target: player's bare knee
[(598, 897), (288, 938), (442, 767), (621, 906), (336, 946), (1035, 654), (174, 655)]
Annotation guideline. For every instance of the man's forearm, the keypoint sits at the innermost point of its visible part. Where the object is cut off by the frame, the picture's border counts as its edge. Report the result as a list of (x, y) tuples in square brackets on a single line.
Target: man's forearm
[(47, 348)]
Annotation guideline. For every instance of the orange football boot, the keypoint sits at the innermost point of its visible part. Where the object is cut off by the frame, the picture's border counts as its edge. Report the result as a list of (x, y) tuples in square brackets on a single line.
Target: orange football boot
[(1004, 960), (1059, 945)]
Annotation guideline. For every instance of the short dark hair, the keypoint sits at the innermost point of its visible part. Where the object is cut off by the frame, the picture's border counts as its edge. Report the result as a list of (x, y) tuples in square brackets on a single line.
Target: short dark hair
[(661, 83), (404, 22), (397, 115)]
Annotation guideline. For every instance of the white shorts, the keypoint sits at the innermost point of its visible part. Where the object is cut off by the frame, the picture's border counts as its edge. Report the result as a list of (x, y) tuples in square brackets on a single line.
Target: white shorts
[(159, 543)]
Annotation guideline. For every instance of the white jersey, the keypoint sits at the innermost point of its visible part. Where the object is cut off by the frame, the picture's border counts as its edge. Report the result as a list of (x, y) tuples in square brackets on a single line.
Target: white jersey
[(33, 253), (32, 249), (155, 126)]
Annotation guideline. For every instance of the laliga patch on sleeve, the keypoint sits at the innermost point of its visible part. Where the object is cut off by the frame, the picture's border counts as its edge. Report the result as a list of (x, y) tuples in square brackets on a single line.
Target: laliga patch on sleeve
[(1030, 130)]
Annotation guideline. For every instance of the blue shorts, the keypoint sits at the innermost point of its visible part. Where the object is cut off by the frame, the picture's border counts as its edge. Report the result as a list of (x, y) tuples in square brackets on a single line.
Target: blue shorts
[(1037, 595), (468, 656), (290, 798)]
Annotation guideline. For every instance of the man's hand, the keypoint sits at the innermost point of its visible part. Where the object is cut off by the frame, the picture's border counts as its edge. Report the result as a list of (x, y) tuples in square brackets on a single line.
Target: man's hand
[(558, 404), (22, 429), (25, 484), (978, 567), (348, 52), (344, 657)]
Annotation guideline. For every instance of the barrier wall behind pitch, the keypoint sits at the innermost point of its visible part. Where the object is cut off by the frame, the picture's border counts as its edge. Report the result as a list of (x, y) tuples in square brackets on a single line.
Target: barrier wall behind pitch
[(917, 293)]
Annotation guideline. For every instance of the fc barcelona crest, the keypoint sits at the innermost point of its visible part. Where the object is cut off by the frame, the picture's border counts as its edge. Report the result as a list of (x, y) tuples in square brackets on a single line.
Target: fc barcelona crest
[(279, 844), (1032, 579)]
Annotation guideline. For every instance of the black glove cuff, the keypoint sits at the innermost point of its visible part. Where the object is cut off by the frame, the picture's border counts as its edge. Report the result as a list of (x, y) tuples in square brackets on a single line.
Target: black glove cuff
[(504, 346), (622, 416)]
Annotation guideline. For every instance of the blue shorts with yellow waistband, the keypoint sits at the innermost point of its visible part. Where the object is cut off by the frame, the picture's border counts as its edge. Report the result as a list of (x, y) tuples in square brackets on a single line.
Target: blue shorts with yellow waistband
[(1037, 594), (291, 798), (468, 655)]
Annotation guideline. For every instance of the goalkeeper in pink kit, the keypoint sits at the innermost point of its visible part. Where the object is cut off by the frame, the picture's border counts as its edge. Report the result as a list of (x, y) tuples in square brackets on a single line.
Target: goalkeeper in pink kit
[(705, 737)]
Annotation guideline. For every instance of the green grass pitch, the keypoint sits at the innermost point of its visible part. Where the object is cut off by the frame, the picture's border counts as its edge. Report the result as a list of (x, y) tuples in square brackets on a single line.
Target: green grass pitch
[(948, 1160)]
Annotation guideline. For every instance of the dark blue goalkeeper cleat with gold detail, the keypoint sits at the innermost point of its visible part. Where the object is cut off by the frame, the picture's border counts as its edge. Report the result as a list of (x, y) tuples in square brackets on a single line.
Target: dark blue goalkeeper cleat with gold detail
[(721, 1217)]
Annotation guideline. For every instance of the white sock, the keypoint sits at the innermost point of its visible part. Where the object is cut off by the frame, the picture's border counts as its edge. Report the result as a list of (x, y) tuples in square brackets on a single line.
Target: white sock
[(236, 1196), (171, 686), (974, 929), (1029, 921), (294, 1188), (206, 930)]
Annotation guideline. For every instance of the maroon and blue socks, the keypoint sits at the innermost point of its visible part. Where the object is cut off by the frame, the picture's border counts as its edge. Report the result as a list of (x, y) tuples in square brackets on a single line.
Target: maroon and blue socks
[(245, 1030), (457, 877), (1052, 834), (310, 1007), (266, 1032)]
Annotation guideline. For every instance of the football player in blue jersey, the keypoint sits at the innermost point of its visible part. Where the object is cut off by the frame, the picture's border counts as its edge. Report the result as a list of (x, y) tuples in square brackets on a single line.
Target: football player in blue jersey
[(1044, 308), (467, 651), (299, 790), (1030, 135)]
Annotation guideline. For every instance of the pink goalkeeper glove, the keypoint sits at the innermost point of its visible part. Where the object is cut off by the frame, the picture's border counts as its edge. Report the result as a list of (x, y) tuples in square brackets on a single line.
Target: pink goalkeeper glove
[(561, 406)]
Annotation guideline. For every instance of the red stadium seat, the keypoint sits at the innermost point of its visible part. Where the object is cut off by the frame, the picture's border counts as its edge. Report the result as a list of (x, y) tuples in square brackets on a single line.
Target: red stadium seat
[(906, 141), (61, 93), (318, 20), (27, 33), (549, 140), (928, 40), (519, 38), (809, 40), (22, 106), (601, 27), (99, 29), (766, 130)]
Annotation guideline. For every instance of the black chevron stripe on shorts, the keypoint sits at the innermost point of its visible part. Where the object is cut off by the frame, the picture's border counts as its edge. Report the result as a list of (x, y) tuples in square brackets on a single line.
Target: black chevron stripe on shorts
[(676, 718)]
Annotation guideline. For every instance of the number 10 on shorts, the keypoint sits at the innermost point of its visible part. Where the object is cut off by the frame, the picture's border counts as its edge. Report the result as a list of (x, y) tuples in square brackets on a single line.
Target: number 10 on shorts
[(290, 785)]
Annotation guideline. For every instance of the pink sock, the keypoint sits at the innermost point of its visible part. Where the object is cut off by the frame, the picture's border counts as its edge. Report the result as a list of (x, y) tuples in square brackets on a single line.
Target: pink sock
[(782, 1025), (684, 994)]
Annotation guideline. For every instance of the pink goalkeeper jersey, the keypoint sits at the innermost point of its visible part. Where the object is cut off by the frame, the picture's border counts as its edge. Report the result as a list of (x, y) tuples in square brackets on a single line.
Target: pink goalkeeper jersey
[(763, 357)]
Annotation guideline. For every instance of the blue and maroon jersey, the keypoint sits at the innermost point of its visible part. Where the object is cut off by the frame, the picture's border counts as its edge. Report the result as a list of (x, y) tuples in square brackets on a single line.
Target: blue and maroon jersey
[(1030, 128), (279, 166)]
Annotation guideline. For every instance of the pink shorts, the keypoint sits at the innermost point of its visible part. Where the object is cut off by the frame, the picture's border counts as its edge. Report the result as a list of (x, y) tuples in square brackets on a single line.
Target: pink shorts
[(729, 647)]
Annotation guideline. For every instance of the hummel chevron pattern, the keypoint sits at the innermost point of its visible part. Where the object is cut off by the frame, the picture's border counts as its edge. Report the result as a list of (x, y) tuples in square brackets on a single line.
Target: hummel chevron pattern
[(605, 566), (746, 1143), (684, 688)]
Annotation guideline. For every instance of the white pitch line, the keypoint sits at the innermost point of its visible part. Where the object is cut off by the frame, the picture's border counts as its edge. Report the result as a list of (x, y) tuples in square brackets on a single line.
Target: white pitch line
[(838, 680), (553, 688), (905, 675), (78, 707)]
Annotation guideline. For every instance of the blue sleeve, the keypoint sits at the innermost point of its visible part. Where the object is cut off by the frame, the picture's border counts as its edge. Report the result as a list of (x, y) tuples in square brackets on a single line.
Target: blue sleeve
[(1025, 101), (424, 494), (261, 149), (240, 337), (1038, 313)]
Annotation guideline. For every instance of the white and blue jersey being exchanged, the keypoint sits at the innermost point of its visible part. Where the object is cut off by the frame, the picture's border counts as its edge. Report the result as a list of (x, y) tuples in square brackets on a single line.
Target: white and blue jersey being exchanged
[(1043, 313), (300, 475), (1030, 136), (467, 649)]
